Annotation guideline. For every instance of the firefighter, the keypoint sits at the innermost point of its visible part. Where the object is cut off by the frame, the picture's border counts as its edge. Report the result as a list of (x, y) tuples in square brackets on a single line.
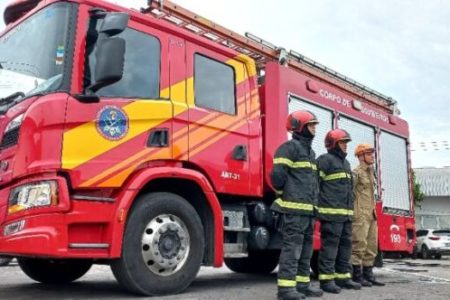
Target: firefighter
[(365, 239), (295, 179), (335, 210)]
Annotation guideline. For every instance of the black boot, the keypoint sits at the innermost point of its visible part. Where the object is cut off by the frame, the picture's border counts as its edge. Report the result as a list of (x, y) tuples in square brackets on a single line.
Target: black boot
[(328, 286), (359, 278), (308, 290), (348, 284), (289, 294), (368, 275)]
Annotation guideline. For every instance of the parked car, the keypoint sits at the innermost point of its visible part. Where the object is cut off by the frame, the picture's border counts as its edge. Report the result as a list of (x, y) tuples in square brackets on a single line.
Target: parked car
[(5, 260), (433, 242)]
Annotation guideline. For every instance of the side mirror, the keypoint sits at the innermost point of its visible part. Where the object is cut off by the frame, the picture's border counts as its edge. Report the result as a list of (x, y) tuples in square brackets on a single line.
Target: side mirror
[(114, 23), (110, 55)]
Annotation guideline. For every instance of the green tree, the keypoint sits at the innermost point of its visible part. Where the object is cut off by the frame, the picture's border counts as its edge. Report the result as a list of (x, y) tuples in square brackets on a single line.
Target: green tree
[(418, 194)]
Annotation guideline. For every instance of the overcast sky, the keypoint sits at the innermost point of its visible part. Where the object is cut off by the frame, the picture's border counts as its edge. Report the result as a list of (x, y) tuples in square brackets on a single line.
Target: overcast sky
[(399, 48)]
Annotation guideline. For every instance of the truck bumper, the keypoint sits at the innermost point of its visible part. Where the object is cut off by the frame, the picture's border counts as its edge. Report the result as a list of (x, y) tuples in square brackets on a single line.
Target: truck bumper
[(70, 229)]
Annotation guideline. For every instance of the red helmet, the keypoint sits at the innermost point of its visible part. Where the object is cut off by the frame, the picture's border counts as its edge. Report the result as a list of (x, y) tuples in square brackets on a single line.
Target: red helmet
[(334, 136), (297, 120)]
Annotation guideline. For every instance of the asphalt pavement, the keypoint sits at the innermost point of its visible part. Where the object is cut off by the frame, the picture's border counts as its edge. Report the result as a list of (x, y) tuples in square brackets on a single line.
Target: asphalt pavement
[(405, 279)]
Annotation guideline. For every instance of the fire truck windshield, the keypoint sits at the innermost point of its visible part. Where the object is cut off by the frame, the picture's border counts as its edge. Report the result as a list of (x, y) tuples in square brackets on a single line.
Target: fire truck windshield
[(34, 55)]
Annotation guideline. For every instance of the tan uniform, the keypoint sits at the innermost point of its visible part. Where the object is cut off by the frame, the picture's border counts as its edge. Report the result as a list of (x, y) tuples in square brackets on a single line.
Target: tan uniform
[(365, 230)]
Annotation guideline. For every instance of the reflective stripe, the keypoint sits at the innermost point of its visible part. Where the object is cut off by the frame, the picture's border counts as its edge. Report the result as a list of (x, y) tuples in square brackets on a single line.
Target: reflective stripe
[(335, 211), (297, 164), (342, 275), (294, 205), (279, 193), (282, 161), (334, 176), (326, 276), (286, 283), (305, 165), (322, 174), (303, 279)]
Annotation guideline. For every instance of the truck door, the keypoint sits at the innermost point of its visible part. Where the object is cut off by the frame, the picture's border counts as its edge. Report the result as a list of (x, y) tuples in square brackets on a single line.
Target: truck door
[(105, 142), (218, 125)]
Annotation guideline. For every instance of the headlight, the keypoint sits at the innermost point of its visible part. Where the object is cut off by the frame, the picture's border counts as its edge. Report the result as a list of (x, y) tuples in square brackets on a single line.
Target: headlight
[(14, 123), (33, 195)]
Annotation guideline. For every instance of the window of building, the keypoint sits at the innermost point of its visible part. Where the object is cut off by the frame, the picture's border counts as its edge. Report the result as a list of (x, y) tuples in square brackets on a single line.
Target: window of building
[(429, 222), (141, 77), (214, 85)]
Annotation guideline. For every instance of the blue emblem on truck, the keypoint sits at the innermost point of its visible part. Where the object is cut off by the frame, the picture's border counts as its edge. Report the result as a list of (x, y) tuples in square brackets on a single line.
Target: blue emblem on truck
[(112, 123)]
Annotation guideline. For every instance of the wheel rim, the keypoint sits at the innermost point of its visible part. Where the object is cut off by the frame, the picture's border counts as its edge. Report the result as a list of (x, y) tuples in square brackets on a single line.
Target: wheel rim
[(165, 245)]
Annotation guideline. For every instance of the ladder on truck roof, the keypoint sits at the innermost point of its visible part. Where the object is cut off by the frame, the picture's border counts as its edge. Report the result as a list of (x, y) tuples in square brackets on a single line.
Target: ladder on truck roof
[(262, 51)]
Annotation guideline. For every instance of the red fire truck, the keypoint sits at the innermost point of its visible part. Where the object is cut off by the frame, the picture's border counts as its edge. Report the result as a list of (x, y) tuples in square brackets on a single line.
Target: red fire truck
[(144, 140)]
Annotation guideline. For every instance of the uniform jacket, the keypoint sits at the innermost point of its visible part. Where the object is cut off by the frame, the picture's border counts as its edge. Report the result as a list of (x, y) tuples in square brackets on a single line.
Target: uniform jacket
[(336, 195), (364, 191), (294, 176)]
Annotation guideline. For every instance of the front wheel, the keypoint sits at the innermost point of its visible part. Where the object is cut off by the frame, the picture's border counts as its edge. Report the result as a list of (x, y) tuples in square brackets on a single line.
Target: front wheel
[(163, 246), (257, 262), (54, 271)]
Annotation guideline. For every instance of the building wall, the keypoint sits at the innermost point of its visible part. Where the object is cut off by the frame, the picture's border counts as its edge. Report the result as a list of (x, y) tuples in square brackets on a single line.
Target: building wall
[(433, 212)]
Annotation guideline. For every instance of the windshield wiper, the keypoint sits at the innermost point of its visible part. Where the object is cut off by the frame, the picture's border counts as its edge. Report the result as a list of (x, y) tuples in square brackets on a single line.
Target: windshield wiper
[(12, 97)]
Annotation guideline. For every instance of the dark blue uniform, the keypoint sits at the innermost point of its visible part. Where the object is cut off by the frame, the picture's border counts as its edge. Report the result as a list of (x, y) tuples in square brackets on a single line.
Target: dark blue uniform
[(295, 178), (335, 211)]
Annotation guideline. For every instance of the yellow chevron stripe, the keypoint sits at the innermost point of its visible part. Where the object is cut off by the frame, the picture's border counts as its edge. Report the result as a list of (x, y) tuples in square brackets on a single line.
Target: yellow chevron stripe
[(141, 156), (249, 62), (116, 167), (118, 179), (214, 137), (177, 152), (84, 143)]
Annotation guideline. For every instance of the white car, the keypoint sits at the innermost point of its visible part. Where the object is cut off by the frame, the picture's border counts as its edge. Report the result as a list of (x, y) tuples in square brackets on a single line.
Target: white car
[(433, 242)]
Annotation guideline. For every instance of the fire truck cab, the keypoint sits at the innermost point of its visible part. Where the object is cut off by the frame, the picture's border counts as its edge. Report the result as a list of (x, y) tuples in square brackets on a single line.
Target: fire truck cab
[(144, 140)]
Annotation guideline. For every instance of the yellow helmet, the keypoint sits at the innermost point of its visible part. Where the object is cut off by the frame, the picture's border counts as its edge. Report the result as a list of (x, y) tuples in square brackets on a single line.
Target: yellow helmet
[(364, 148)]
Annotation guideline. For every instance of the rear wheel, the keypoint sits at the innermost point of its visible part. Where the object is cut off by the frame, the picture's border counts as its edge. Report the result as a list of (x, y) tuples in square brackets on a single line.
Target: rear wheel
[(257, 262), (54, 271), (163, 246), (424, 252)]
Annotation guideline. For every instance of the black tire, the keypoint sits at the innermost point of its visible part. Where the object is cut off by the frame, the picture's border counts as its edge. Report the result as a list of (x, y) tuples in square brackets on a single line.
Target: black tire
[(137, 273), (54, 271), (257, 262), (438, 256), (424, 253), (5, 260)]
